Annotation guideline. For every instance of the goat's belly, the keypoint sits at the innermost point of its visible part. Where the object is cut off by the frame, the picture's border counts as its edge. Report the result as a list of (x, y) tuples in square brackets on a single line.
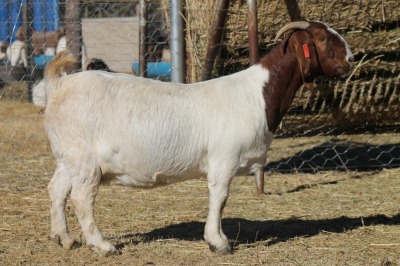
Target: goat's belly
[(147, 169), (158, 179)]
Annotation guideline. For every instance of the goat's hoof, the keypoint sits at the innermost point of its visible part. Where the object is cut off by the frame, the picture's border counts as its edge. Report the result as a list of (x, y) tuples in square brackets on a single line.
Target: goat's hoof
[(76, 245), (224, 250), (67, 242), (106, 250)]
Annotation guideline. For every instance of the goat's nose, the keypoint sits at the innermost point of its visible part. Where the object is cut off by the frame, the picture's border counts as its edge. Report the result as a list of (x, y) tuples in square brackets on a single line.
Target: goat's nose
[(351, 61)]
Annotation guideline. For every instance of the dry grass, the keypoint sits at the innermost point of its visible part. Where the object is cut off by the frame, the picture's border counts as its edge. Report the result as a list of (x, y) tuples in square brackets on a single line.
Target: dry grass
[(329, 218)]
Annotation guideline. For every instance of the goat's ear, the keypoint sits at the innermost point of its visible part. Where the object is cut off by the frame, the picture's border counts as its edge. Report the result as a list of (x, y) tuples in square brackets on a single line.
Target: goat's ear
[(286, 40), (304, 49)]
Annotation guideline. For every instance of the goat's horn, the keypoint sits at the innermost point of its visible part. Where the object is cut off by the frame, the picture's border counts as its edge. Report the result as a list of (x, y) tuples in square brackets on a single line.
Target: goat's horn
[(294, 25)]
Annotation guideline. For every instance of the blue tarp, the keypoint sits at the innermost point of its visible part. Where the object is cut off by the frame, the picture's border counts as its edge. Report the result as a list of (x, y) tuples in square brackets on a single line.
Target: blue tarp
[(45, 17)]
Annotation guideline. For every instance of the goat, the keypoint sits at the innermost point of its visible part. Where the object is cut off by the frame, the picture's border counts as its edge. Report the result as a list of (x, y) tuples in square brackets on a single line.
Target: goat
[(17, 54), (41, 40), (116, 128)]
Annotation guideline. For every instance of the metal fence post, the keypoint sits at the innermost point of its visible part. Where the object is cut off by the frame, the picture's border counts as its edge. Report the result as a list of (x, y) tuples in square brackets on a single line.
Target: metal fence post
[(177, 51), (142, 39)]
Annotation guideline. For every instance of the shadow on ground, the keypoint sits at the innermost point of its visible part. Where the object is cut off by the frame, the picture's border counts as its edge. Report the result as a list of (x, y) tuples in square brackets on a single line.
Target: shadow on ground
[(328, 156), (339, 156), (244, 231)]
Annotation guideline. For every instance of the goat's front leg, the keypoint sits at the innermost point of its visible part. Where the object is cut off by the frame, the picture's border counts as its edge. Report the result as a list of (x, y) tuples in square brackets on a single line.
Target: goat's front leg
[(218, 195)]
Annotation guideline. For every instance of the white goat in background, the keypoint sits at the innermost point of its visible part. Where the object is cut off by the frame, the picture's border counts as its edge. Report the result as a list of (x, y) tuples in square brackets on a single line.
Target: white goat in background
[(17, 54)]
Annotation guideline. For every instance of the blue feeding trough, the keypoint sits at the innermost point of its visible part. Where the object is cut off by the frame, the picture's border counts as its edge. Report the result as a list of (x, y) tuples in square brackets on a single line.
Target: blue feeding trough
[(155, 69), (42, 60)]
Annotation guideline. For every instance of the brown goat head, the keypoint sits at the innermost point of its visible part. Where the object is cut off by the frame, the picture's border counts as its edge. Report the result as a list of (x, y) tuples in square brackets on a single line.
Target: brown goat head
[(334, 55), (319, 49)]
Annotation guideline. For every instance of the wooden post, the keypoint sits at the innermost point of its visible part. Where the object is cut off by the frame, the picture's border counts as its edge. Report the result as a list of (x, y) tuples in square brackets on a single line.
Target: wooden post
[(215, 39), (252, 31), (26, 22), (73, 29), (293, 9)]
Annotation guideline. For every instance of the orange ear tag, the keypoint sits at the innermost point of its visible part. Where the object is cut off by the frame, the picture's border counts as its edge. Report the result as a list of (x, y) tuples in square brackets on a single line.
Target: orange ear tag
[(306, 51)]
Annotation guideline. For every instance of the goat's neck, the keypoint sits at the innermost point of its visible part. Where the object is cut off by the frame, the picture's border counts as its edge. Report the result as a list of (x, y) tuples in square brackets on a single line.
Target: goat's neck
[(285, 79)]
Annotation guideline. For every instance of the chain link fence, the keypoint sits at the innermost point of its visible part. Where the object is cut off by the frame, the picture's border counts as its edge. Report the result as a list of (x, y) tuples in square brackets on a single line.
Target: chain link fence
[(359, 115)]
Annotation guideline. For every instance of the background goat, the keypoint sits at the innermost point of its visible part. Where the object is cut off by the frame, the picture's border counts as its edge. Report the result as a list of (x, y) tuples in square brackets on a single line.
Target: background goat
[(117, 128), (41, 40), (17, 54)]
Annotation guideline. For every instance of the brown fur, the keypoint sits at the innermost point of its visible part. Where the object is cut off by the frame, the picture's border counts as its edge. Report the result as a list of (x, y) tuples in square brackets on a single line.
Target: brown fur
[(289, 69)]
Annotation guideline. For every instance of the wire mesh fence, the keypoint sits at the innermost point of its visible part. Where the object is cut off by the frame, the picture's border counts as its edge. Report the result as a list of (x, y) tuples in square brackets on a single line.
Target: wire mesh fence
[(365, 104)]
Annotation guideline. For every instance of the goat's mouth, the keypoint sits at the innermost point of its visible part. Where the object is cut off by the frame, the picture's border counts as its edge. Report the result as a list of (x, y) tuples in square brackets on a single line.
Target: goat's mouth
[(344, 71)]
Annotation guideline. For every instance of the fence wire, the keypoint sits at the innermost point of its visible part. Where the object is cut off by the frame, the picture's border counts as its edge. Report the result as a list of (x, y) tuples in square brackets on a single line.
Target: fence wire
[(366, 104)]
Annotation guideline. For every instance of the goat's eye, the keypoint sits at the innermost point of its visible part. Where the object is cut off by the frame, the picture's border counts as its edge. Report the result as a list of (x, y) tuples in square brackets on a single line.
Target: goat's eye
[(321, 39)]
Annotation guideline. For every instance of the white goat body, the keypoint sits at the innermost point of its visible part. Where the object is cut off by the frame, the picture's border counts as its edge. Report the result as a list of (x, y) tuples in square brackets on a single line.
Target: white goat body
[(17, 54), (39, 94), (173, 131)]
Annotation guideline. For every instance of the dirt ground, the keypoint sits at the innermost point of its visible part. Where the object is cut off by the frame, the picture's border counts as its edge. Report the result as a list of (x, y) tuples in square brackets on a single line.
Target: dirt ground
[(322, 218)]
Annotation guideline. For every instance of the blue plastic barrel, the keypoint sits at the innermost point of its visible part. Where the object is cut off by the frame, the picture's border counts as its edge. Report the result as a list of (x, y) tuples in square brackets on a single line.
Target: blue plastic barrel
[(42, 60), (155, 69)]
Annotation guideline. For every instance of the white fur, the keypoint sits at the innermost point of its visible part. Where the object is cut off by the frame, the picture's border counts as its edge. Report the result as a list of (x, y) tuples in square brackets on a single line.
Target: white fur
[(61, 45), (39, 94), (140, 132), (49, 51), (16, 53)]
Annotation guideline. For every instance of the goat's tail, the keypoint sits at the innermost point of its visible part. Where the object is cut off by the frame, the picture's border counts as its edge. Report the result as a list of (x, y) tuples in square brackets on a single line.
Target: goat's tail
[(62, 64)]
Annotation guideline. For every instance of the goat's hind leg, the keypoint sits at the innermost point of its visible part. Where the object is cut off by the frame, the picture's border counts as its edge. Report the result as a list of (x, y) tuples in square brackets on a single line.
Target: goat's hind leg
[(59, 188), (84, 190)]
